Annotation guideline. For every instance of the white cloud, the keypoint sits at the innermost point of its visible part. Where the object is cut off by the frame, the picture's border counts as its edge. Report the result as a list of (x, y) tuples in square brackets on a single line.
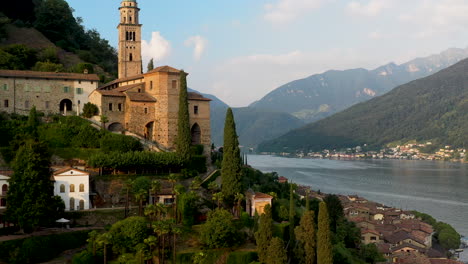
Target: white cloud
[(199, 45), (287, 10), (372, 8), (437, 17), (158, 48)]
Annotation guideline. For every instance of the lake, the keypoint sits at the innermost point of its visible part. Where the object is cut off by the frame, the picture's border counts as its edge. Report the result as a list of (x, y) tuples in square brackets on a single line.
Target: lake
[(436, 188)]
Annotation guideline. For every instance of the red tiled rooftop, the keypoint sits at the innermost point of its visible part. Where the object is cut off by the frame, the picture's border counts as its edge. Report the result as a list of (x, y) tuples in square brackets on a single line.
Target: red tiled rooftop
[(49, 75)]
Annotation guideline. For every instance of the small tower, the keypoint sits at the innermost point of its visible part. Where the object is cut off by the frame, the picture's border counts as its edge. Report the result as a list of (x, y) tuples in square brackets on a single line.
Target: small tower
[(130, 63)]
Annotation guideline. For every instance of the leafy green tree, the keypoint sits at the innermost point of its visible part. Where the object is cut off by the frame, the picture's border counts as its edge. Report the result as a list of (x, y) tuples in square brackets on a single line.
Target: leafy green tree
[(264, 234), (141, 187), (305, 234), (187, 207), (219, 198), (90, 110), (335, 211), (48, 54), (324, 246), (231, 169), (31, 201), (219, 230), (370, 253), (276, 252), (48, 66), (150, 65), (127, 234), (184, 138), (33, 123), (103, 240), (104, 120), (81, 67), (18, 57)]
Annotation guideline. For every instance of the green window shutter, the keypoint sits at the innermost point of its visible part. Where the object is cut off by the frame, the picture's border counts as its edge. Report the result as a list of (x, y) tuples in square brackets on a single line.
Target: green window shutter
[(37, 89), (46, 89), (66, 89), (5, 87), (79, 90)]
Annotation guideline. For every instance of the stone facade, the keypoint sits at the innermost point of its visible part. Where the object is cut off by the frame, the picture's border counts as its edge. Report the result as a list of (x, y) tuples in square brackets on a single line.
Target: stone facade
[(147, 104), (130, 63), (49, 92)]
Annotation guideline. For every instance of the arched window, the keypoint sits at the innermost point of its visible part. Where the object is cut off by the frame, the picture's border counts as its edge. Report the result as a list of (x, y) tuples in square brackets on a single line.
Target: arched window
[(125, 19), (81, 204), (72, 188), (4, 189), (130, 19), (134, 38), (62, 188), (81, 187), (72, 204)]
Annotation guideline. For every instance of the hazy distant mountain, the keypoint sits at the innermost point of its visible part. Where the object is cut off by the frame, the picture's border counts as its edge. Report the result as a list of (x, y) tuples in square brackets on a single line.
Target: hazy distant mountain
[(434, 108), (253, 125), (321, 95)]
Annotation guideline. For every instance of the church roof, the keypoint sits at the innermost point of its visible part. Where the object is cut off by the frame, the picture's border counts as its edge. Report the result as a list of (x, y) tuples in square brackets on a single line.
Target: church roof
[(118, 92), (140, 97), (165, 69), (61, 171), (49, 75), (197, 97)]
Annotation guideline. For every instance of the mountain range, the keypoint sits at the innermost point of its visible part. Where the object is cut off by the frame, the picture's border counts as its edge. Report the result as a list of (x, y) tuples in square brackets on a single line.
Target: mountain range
[(433, 108), (321, 95)]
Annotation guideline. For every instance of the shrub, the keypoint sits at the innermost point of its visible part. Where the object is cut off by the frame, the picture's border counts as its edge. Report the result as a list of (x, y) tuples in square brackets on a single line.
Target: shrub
[(41, 248), (242, 257), (119, 143), (219, 230), (90, 110)]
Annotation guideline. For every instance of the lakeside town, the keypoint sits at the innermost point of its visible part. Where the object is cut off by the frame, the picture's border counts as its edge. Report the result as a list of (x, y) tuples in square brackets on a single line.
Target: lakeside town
[(410, 151)]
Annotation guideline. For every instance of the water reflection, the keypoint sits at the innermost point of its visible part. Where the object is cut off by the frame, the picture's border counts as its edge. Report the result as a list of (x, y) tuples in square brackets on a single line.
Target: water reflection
[(437, 188)]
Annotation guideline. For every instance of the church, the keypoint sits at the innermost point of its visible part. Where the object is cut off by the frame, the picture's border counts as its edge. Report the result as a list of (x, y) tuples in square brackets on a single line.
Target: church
[(147, 104)]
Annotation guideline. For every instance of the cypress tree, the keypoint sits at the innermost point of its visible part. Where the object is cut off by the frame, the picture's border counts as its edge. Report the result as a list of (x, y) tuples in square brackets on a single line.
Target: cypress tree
[(264, 234), (292, 212), (276, 252), (324, 247), (31, 201), (150, 65), (183, 140), (231, 166), (305, 234)]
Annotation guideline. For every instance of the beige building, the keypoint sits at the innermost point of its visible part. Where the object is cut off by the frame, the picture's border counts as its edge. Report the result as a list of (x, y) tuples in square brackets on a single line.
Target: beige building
[(49, 92), (256, 202), (147, 104)]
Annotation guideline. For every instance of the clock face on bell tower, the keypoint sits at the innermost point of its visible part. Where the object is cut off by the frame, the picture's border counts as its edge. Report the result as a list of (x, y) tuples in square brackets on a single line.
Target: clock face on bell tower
[(130, 63)]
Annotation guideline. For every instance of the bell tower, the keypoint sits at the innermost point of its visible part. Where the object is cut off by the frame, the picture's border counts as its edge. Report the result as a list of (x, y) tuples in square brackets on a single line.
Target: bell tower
[(130, 63)]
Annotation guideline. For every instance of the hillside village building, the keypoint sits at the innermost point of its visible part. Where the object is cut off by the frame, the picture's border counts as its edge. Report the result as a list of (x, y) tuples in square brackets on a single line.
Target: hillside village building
[(72, 185), (49, 92), (147, 104)]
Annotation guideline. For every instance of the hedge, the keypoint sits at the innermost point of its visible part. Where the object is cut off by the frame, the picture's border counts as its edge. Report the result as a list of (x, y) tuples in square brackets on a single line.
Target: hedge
[(242, 257), (41, 248)]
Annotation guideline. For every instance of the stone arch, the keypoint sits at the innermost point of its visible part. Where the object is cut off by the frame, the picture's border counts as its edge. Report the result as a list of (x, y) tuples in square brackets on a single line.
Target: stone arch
[(72, 204), (149, 129), (72, 187), (196, 134), (62, 188), (81, 204), (116, 127), (4, 189), (65, 106), (81, 188)]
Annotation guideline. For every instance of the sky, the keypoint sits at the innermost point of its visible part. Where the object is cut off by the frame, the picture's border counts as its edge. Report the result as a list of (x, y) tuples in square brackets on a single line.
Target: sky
[(241, 50)]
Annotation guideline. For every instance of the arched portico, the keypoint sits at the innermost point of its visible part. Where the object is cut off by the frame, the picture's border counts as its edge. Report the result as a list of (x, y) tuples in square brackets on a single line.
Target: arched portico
[(196, 134), (65, 106), (115, 127)]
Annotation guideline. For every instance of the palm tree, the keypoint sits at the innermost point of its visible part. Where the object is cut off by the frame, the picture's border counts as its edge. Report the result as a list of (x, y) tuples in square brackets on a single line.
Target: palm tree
[(155, 188), (162, 228), (173, 180), (103, 240), (140, 197), (93, 238), (151, 211), (151, 242), (175, 231), (218, 197), (239, 197), (161, 209)]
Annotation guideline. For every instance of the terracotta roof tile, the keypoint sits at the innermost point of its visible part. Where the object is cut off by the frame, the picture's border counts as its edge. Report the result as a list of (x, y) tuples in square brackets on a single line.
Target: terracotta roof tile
[(67, 169), (49, 75), (140, 97), (165, 69), (197, 97), (262, 195)]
